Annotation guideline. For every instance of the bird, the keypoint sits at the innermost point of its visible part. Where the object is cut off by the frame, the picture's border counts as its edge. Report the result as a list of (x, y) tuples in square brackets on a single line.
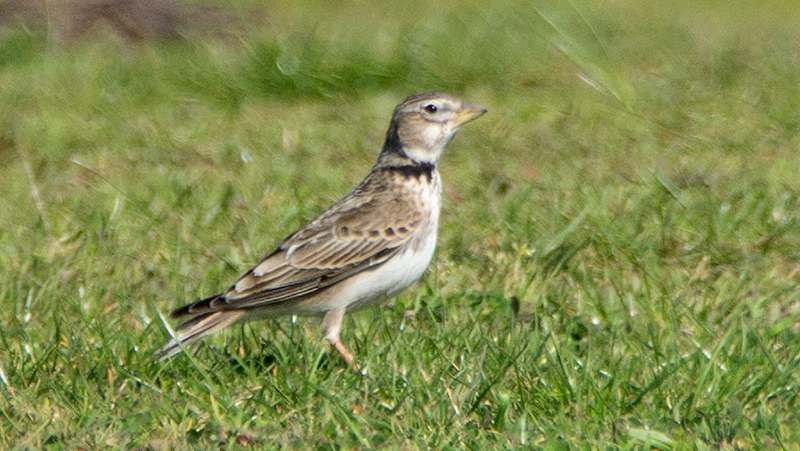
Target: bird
[(366, 248)]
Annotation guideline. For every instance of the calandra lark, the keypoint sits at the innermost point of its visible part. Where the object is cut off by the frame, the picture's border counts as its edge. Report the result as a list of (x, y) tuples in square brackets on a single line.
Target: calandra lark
[(368, 247)]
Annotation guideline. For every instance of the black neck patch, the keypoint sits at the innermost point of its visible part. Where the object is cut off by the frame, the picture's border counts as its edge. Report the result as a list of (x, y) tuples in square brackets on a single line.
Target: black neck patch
[(393, 158), (416, 170)]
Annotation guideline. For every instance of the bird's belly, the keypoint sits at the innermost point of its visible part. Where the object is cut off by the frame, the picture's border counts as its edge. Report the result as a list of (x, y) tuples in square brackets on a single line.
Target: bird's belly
[(373, 286), (394, 276)]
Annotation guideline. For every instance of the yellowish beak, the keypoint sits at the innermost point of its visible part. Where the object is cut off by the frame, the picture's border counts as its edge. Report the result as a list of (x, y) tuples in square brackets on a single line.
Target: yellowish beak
[(469, 112)]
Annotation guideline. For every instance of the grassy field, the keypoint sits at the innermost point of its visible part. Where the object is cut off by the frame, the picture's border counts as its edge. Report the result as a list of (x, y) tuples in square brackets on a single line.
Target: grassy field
[(619, 252)]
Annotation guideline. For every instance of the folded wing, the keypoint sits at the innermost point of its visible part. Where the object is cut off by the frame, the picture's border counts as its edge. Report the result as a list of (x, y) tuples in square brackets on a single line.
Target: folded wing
[(362, 233)]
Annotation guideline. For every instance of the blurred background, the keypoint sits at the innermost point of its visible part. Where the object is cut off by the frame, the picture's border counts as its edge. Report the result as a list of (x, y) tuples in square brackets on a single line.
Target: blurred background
[(629, 206)]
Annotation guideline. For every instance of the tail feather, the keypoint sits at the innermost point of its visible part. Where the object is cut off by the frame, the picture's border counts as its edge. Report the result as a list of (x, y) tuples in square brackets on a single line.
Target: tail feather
[(197, 328), (195, 308)]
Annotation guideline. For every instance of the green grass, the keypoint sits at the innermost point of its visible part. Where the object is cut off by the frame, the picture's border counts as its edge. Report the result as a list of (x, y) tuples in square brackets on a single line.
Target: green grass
[(619, 251)]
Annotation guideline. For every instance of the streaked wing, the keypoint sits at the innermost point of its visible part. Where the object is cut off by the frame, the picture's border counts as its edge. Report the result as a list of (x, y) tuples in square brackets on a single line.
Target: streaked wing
[(357, 233)]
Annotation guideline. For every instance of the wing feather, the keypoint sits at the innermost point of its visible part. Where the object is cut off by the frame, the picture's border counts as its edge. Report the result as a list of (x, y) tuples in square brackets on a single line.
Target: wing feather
[(358, 232)]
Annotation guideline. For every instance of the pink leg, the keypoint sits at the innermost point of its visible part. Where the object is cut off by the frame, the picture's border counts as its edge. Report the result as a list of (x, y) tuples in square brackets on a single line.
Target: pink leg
[(331, 326), (344, 352)]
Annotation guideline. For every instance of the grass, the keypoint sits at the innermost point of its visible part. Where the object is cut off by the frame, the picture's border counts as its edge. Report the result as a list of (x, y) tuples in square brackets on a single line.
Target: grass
[(619, 249)]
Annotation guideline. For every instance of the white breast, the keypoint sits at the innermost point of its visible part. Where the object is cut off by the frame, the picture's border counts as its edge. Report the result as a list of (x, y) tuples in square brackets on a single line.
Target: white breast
[(400, 271), (396, 274)]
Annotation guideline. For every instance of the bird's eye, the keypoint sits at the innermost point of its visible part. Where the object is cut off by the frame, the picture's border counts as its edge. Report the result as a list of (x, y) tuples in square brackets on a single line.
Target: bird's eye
[(431, 108)]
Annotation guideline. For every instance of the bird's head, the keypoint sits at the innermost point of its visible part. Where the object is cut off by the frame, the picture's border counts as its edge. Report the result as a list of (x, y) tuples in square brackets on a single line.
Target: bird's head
[(424, 124)]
